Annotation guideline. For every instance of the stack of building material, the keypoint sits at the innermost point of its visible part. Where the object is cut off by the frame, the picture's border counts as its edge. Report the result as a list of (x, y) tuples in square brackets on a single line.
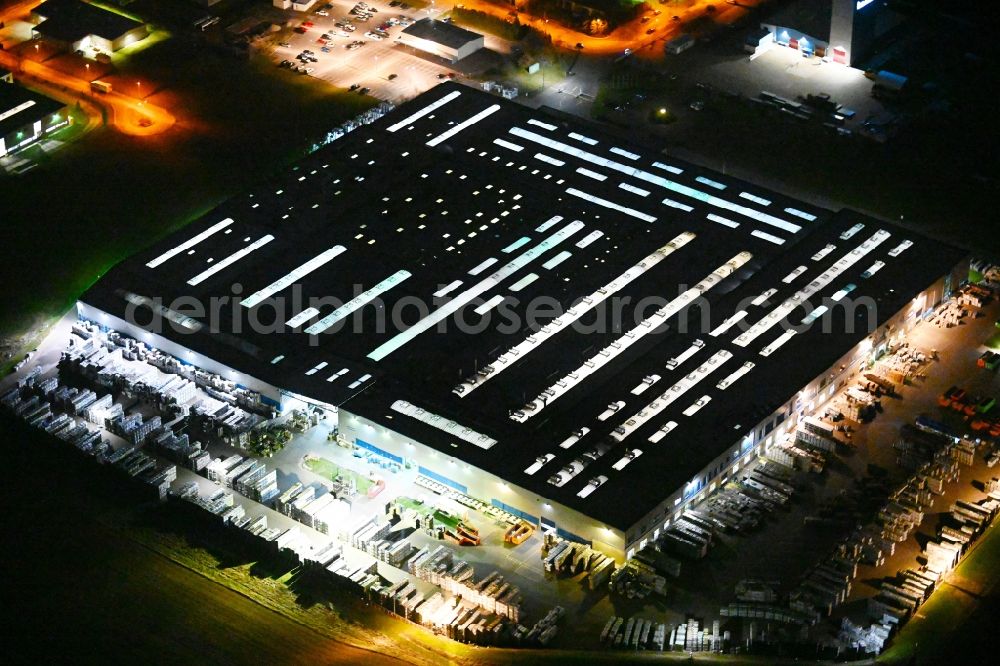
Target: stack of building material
[(870, 640)]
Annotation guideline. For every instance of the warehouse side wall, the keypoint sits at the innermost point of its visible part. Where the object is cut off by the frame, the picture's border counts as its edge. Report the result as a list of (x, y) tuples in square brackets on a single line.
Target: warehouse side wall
[(482, 485), (756, 442), (180, 352)]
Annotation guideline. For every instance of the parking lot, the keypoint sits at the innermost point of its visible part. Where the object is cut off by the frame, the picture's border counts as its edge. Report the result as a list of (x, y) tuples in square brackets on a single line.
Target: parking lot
[(352, 54)]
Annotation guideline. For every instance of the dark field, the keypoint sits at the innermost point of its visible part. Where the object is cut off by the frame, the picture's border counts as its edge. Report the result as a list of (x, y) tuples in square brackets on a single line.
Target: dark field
[(108, 195)]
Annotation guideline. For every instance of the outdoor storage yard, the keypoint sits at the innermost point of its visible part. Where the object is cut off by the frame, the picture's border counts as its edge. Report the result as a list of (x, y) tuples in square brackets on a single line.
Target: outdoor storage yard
[(781, 549)]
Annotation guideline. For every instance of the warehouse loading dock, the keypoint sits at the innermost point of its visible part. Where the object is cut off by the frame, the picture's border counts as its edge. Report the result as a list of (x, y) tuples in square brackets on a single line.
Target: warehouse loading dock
[(442, 39)]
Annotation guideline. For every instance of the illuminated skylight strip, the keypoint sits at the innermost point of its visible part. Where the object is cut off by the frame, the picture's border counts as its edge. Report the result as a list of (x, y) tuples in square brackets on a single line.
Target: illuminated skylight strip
[(465, 124), (448, 288), (656, 180), (672, 394), (336, 375), (667, 167), (759, 200), (768, 237), (490, 304), (763, 297), (853, 230), (230, 260), (611, 204), (524, 282), (507, 144), (316, 368), (540, 462), (825, 251), (815, 314), (634, 190), (579, 309), (453, 306), (591, 486), (622, 343), (728, 323), (625, 153), (430, 108), (788, 279), (664, 430), (548, 160), (627, 458), (585, 139), (520, 242), (801, 214), (358, 302), (900, 249), (483, 266), (839, 295), (446, 425), (724, 221), (302, 317), (732, 378), (589, 238), (788, 306), (556, 260), (873, 269), (697, 405), (782, 339), (292, 277), (10, 113), (539, 123), (677, 204), (711, 183), (591, 174), (549, 223), (188, 244), (678, 360)]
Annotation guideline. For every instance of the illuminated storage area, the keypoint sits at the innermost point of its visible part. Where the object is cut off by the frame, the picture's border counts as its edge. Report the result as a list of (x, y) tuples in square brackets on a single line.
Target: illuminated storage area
[(585, 333), (74, 25), (842, 31)]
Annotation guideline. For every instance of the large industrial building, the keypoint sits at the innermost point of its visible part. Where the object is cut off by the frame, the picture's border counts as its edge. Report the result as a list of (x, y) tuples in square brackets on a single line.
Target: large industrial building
[(26, 117), (843, 31), (593, 336), (75, 25), (442, 39)]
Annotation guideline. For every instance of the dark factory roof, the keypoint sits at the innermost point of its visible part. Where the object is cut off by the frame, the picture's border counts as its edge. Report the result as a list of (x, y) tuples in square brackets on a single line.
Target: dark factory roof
[(486, 279)]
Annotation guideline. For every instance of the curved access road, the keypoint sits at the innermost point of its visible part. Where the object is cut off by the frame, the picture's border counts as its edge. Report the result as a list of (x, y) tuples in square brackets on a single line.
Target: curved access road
[(128, 115), (633, 35)]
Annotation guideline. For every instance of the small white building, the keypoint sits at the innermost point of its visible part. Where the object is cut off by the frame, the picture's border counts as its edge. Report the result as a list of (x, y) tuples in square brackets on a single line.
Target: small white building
[(297, 5), (444, 40)]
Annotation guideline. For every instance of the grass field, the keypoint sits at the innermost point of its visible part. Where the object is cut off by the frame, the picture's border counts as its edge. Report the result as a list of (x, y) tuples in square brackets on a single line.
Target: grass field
[(409, 503), (968, 599), (108, 578), (330, 470)]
